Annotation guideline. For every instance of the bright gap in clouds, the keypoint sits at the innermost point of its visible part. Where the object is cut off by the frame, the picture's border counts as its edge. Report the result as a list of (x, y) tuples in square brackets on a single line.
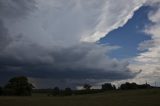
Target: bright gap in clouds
[(130, 35)]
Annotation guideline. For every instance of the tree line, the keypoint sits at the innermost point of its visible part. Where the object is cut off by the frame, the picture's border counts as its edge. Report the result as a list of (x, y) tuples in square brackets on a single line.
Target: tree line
[(104, 87), (20, 86)]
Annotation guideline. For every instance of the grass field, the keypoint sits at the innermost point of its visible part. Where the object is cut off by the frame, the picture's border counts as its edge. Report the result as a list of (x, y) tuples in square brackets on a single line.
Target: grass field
[(116, 98)]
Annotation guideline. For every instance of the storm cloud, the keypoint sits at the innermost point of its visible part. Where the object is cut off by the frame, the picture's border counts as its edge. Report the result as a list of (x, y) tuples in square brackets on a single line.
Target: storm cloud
[(16, 8), (55, 39), (4, 36), (78, 62)]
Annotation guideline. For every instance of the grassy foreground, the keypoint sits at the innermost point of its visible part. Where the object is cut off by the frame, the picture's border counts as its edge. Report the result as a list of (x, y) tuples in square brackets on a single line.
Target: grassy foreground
[(116, 98)]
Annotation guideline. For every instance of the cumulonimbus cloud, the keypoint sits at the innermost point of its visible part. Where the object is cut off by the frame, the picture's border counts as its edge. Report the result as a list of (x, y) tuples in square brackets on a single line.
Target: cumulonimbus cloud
[(49, 37)]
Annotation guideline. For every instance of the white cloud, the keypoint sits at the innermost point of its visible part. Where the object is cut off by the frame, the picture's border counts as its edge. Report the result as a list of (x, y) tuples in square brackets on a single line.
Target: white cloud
[(57, 22), (114, 15), (149, 60)]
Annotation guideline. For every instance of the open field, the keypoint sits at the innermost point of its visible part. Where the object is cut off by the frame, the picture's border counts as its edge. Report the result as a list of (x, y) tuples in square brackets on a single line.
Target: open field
[(116, 98)]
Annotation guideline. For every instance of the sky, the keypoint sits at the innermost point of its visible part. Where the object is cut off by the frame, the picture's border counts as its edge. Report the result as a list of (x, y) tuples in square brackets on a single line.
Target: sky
[(72, 42)]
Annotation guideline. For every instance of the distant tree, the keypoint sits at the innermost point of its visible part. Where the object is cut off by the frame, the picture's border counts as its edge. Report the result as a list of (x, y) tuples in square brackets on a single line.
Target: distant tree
[(108, 86), (87, 86), (1, 91), (68, 91), (56, 91), (144, 86), (19, 86), (114, 87), (128, 85)]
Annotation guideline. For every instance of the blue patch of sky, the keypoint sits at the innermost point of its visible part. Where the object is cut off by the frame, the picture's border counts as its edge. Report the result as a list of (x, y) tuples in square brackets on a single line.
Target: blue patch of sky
[(130, 35)]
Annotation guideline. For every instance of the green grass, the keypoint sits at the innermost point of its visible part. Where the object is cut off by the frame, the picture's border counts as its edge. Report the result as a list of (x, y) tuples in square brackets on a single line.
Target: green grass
[(118, 98)]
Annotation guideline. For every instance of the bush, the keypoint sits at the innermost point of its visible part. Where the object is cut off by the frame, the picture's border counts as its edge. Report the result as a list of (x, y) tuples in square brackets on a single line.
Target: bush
[(68, 92), (128, 85), (108, 86)]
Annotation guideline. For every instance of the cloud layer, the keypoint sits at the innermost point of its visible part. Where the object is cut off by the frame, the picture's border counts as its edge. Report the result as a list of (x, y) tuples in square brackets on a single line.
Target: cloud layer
[(52, 38)]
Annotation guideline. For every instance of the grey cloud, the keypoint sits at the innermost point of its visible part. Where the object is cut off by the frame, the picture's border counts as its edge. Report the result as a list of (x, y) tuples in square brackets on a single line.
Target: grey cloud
[(84, 61), (50, 46), (5, 39), (15, 8), (12, 9)]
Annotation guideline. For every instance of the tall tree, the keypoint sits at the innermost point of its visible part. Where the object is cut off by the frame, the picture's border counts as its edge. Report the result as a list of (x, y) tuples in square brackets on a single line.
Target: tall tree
[(19, 86)]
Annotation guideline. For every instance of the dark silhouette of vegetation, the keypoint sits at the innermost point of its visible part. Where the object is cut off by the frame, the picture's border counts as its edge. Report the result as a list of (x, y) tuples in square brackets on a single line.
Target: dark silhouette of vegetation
[(56, 91), (87, 86), (1, 91), (87, 89), (48, 91), (108, 86), (18, 86), (83, 92), (114, 87), (68, 92), (128, 86), (105, 87)]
